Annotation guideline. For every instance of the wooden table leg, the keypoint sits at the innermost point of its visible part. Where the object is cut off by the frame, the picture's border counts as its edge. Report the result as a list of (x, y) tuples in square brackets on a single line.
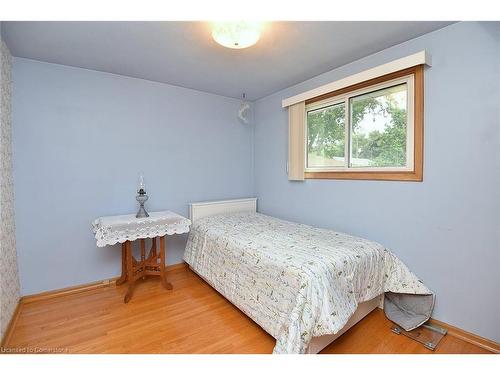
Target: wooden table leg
[(123, 276), (153, 247), (143, 258), (163, 274), (130, 272)]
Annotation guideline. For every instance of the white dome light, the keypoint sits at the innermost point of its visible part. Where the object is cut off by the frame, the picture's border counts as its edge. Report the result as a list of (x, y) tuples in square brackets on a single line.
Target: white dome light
[(236, 34)]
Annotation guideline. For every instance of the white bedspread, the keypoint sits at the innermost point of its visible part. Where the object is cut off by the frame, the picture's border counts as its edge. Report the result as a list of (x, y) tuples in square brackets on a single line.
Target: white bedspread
[(294, 280)]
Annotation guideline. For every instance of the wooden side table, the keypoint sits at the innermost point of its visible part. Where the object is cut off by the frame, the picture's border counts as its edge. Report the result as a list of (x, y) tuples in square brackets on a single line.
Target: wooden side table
[(153, 264), (125, 229)]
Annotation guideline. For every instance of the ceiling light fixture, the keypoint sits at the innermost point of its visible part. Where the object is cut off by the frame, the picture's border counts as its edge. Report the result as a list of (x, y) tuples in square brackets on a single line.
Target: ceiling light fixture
[(236, 34)]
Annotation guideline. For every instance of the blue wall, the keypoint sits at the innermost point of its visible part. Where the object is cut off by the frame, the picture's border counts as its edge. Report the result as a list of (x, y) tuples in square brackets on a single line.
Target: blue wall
[(79, 139), (447, 228)]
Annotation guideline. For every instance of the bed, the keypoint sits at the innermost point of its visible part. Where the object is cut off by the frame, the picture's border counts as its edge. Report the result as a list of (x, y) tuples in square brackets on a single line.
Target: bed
[(305, 286)]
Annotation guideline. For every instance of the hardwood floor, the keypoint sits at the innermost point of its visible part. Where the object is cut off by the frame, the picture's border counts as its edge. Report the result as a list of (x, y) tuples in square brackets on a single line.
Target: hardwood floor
[(192, 318)]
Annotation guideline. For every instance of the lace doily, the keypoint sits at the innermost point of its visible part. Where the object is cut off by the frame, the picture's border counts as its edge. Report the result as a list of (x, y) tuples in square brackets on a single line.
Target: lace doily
[(110, 230)]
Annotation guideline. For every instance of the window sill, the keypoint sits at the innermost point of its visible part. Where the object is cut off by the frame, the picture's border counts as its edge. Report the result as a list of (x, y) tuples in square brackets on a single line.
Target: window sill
[(413, 176)]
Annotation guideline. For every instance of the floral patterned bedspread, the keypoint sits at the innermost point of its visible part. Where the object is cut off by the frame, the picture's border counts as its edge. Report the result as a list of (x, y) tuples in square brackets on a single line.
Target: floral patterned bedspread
[(294, 280)]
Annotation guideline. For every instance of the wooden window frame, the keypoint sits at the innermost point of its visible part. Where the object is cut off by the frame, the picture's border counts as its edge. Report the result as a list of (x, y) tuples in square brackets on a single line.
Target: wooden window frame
[(415, 175)]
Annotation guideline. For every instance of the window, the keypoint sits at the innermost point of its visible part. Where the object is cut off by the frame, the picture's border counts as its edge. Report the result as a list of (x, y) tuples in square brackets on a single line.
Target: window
[(371, 130)]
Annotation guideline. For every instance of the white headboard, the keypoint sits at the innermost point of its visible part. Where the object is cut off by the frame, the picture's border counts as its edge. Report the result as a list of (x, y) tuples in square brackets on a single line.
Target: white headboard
[(199, 210)]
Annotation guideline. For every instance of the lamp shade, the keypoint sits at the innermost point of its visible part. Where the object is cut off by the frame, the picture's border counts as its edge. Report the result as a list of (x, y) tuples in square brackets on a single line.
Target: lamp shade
[(236, 34)]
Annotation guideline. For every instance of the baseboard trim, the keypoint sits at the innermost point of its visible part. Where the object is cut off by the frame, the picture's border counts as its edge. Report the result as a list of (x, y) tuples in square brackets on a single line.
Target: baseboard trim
[(84, 287), (471, 338), (177, 266), (69, 290), (10, 327)]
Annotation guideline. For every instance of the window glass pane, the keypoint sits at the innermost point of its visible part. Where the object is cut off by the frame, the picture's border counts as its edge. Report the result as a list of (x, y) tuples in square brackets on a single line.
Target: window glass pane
[(378, 128), (326, 137)]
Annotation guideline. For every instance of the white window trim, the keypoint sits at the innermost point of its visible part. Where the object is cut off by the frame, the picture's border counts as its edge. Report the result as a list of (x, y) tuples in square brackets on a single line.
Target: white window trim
[(344, 98), (419, 58)]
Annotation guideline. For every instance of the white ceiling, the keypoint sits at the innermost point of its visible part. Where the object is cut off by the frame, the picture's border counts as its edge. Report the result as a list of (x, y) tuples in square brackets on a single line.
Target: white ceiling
[(184, 54)]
